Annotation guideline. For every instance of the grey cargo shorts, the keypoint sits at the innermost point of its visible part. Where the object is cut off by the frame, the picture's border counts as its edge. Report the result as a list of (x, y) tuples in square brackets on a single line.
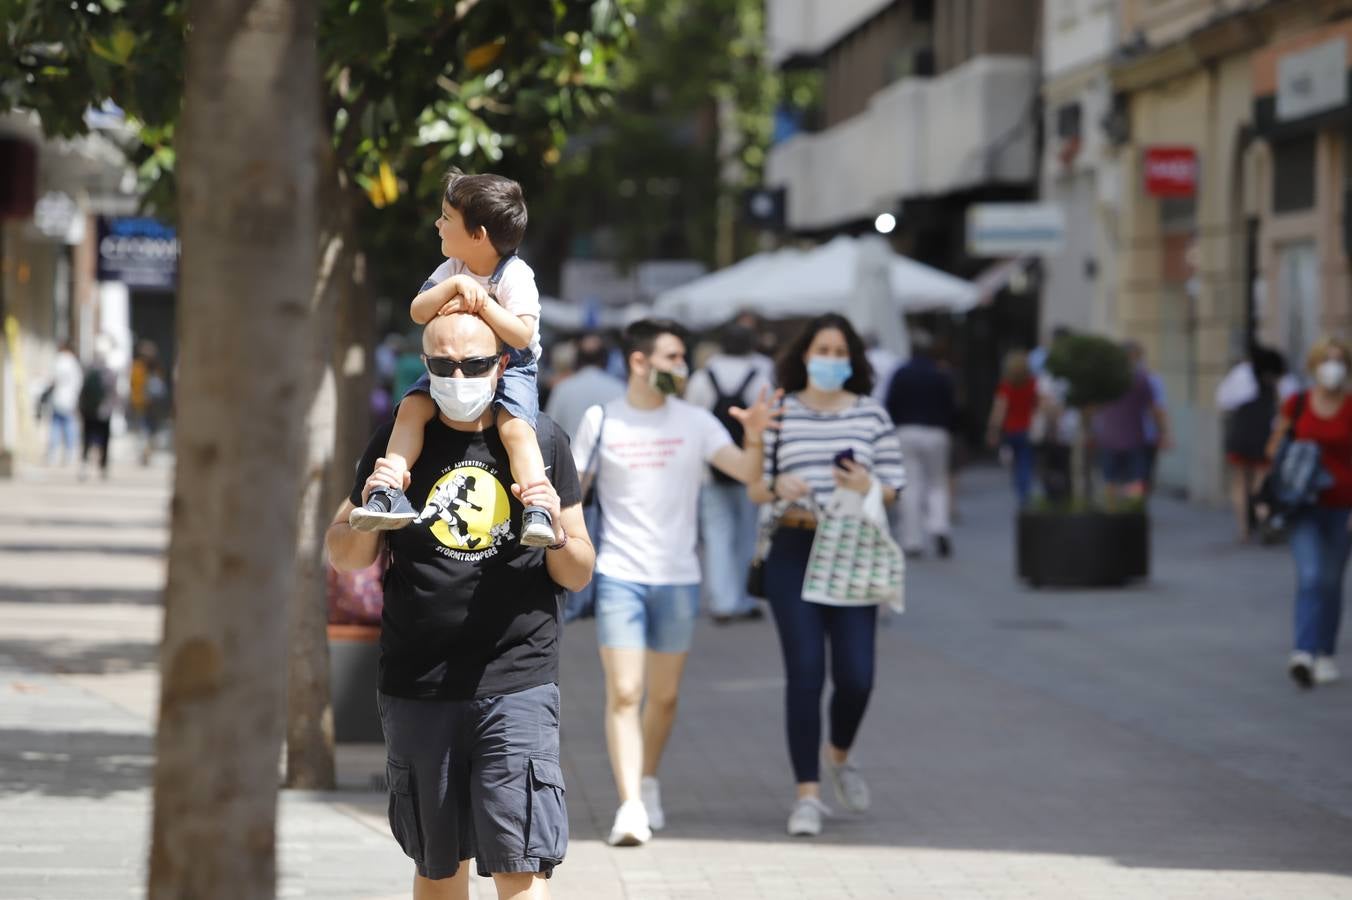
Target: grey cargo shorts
[(477, 779)]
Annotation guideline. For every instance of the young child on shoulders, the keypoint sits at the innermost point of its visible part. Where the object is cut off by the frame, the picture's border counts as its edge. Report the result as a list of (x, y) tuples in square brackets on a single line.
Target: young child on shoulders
[(482, 223)]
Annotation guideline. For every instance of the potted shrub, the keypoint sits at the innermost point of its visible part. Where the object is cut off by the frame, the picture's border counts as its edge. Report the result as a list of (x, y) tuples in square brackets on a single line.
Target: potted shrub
[(1074, 541)]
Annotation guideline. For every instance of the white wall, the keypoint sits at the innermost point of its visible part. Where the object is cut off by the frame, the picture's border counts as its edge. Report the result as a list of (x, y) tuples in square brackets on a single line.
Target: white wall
[(918, 137), (1076, 33), (811, 26)]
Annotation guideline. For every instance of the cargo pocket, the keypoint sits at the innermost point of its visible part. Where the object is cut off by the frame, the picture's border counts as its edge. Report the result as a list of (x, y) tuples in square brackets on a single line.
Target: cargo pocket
[(404, 809), (547, 816)]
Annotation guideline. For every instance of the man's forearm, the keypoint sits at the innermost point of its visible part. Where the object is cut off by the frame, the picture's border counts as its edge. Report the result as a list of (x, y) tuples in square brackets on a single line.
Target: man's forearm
[(351, 550), (571, 567), (754, 462)]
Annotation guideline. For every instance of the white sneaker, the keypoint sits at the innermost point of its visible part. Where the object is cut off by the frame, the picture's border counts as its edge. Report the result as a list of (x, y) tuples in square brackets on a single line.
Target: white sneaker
[(806, 818), (1325, 671), (631, 827), (651, 792), (1301, 669), (851, 789)]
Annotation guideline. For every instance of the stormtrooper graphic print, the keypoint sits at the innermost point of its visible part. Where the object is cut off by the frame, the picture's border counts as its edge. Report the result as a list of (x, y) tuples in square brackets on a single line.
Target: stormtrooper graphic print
[(469, 512)]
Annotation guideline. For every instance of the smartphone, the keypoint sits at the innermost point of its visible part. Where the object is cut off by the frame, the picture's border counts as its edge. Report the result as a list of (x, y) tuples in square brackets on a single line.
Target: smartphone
[(843, 455)]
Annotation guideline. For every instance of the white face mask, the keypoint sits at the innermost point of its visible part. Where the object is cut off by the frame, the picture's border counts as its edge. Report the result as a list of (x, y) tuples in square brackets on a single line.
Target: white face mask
[(1331, 374), (462, 399)]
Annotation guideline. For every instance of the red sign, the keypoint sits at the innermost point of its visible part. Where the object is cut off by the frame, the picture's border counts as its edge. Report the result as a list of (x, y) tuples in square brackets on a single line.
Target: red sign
[(1170, 171)]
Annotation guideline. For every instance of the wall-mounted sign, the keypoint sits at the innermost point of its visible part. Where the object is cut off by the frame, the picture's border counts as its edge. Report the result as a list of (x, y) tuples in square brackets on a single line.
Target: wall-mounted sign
[(142, 253), (1171, 171), (1015, 229), (1312, 81)]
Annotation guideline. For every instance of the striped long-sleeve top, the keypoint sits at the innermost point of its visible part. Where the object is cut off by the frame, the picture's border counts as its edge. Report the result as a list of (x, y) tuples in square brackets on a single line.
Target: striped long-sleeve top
[(808, 442)]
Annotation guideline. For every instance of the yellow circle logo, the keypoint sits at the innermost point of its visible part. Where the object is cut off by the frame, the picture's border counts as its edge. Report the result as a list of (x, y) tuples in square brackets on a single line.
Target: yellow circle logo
[(469, 510)]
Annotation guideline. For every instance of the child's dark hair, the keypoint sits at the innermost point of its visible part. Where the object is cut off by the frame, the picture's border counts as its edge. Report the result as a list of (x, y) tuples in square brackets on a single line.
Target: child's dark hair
[(492, 202), (641, 336)]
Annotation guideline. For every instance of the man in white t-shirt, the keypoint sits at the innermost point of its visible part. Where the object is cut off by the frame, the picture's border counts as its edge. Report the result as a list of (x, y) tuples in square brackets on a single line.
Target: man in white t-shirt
[(653, 450), (67, 379)]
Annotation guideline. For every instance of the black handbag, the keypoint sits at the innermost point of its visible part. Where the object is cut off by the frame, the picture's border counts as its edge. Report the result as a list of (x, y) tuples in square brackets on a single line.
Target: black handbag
[(755, 576)]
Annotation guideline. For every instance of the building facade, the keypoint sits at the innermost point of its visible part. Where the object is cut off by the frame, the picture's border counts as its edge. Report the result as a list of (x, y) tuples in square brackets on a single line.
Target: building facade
[(927, 106), (1233, 127), (1079, 172)]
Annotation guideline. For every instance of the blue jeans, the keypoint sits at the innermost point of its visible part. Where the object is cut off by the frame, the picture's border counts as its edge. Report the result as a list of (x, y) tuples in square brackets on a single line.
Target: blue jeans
[(64, 443), (656, 617), (805, 630), (1022, 449), (727, 524), (1320, 543)]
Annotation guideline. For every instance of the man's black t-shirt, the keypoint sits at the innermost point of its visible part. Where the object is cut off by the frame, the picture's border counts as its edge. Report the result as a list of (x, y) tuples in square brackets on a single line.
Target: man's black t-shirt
[(469, 612)]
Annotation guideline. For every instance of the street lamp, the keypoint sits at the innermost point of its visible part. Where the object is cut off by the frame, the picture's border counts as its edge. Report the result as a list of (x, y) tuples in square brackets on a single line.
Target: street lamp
[(885, 223)]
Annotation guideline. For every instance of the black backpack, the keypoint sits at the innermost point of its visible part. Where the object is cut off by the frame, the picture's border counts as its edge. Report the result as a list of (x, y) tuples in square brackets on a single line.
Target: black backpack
[(723, 403), (92, 393)]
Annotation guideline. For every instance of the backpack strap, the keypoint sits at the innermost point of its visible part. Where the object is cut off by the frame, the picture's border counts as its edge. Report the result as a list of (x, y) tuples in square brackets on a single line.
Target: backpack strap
[(741, 391), (592, 473)]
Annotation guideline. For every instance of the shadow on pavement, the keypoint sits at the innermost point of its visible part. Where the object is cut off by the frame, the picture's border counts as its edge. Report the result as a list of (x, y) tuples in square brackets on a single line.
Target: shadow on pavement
[(73, 763), (154, 551), (140, 597), (81, 658)]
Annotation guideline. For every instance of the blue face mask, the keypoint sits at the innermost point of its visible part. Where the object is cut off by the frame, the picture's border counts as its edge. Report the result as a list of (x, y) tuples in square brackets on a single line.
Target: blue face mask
[(828, 373)]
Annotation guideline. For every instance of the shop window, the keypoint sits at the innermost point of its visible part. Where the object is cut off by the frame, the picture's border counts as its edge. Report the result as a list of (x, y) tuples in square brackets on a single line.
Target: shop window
[(1293, 175)]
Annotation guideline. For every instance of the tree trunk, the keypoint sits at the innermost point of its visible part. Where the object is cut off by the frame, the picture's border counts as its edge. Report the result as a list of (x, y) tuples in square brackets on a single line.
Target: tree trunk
[(338, 426), (310, 760), (247, 177)]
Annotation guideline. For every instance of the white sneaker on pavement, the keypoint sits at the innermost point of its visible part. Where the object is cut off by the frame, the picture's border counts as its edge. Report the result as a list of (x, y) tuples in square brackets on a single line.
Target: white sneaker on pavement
[(1325, 670), (1301, 669), (806, 818), (631, 827), (651, 792), (851, 788)]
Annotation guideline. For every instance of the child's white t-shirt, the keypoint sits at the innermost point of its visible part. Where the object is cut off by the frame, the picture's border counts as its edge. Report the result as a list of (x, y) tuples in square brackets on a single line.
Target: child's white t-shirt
[(651, 465), (516, 292)]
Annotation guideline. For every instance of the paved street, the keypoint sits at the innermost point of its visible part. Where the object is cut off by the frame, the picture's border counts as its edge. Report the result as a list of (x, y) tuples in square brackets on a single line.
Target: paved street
[(1140, 743)]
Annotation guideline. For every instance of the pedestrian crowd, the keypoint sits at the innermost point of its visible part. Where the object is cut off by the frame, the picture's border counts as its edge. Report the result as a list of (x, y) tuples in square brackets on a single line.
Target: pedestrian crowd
[(82, 403)]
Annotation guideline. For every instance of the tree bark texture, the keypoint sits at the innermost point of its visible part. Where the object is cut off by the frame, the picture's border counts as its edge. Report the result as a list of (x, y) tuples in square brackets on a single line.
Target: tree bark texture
[(310, 760), (247, 176)]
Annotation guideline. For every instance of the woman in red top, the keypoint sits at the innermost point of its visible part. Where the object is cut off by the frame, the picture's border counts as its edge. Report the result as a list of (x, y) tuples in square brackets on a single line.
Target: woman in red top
[(1012, 417), (1320, 541)]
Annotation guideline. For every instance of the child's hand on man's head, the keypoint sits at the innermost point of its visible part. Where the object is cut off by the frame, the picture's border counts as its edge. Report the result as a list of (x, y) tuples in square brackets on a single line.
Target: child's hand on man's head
[(453, 305)]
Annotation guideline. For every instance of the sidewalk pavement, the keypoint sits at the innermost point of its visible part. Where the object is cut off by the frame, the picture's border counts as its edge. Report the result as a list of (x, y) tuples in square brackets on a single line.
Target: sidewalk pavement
[(1135, 743)]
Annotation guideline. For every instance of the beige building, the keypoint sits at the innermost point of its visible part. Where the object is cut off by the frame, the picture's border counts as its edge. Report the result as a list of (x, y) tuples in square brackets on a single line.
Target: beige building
[(1231, 119)]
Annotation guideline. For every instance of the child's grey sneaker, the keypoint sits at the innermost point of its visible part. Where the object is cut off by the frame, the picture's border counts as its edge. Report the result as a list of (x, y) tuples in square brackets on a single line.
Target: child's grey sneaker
[(806, 818), (385, 510), (851, 788), (537, 528)]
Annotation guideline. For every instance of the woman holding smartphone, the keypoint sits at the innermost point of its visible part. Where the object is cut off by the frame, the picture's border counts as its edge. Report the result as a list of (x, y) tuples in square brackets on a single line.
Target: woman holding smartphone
[(832, 435)]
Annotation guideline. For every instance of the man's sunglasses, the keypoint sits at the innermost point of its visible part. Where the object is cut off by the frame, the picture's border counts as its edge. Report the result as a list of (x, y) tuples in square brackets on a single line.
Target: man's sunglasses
[(474, 367)]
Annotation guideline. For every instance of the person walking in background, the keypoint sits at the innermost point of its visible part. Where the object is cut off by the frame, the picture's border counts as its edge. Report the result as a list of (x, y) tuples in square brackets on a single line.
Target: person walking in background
[(590, 385), (1012, 418), (1319, 536), (1247, 397), (653, 450), (733, 377), (67, 379), (1158, 412), (832, 435), (97, 401), (1056, 426), (1120, 433), (922, 405)]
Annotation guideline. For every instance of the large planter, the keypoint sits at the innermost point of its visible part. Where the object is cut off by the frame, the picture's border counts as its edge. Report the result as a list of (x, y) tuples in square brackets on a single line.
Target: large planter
[(354, 653), (1083, 549)]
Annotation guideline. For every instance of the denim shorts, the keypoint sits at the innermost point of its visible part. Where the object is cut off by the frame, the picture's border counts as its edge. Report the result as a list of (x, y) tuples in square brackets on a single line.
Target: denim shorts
[(518, 391), (1123, 466), (476, 779), (634, 616)]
